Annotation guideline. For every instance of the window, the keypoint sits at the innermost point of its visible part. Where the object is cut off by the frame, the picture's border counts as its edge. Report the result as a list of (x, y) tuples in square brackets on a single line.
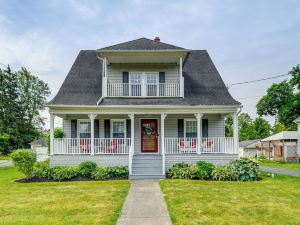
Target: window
[(151, 84), (84, 129), (118, 128), (135, 81), (190, 128)]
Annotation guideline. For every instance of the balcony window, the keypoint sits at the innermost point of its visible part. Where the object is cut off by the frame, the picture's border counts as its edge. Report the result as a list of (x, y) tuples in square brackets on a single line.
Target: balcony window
[(152, 79), (135, 83)]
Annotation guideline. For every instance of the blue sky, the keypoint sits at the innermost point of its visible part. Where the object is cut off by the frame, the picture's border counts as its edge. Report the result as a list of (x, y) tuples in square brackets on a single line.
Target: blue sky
[(246, 39)]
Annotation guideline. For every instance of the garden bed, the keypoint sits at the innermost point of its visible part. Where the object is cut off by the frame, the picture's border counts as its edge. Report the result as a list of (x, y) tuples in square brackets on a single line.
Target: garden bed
[(79, 178)]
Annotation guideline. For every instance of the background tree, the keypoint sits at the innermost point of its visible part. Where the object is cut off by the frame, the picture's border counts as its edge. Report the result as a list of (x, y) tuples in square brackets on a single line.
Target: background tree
[(22, 96), (283, 100)]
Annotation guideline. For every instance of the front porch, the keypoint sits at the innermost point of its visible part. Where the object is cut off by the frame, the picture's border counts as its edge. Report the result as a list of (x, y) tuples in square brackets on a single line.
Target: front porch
[(148, 144)]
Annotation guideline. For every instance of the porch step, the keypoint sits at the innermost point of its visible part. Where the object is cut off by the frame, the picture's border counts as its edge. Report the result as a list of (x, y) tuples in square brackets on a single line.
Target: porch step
[(147, 176), (146, 166)]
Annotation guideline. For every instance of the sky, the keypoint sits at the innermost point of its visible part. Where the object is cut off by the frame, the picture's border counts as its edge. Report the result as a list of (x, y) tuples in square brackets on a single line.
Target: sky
[(247, 40)]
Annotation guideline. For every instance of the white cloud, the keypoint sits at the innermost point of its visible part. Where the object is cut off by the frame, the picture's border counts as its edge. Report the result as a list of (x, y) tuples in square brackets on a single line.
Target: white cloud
[(85, 9)]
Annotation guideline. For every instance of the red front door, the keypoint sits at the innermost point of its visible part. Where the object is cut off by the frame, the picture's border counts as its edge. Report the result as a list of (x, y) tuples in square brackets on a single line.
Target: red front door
[(149, 135)]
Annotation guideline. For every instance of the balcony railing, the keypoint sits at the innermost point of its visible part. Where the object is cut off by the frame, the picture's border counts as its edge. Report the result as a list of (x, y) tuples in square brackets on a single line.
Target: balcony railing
[(207, 145), (73, 146), (143, 90)]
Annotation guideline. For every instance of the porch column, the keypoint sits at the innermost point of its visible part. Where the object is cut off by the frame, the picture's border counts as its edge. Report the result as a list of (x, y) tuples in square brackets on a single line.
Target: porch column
[(199, 131), (92, 118), (235, 133), (162, 128), (131, 149), (52, 117)]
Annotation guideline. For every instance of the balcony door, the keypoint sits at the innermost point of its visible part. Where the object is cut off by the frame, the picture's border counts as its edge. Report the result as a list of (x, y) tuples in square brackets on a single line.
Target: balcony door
[(136, 84), (152, 81)]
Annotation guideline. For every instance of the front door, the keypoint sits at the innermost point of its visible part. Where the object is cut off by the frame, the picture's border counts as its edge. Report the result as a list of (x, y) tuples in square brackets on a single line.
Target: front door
[(149, 135)]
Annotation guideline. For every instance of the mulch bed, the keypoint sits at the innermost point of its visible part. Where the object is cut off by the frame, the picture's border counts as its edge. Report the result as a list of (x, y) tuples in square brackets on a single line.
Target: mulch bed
[(79, 178)]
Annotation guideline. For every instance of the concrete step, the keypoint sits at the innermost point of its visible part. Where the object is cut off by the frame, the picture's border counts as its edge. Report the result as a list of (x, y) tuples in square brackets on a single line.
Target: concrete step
[(149, 171), (146, 176)]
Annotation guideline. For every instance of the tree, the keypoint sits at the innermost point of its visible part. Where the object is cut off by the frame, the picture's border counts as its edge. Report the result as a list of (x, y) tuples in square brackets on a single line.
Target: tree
[(249, 129), (283, 100), (22, 96), (278, 127)]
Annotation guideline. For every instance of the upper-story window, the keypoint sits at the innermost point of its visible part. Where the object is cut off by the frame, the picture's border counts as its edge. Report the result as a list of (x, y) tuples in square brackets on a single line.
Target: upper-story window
[(135, 84), (152, 81)]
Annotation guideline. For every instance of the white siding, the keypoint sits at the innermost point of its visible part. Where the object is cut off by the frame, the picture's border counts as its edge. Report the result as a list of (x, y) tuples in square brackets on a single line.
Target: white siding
[(115, 71), (101, 160), (67, 128)]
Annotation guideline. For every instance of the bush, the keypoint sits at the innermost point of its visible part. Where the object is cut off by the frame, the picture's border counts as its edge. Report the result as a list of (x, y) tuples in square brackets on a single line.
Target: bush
[(65, 172), (183, 171), (245, 168), (204, 170), (118, 172), (5, 146), (223, 173), (86, 168), (100, 173), (43, 170), (24, 161)]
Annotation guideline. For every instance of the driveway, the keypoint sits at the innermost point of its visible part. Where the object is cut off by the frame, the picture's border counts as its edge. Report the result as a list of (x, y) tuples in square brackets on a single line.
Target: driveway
[(280, 171), (144, 205), (5, 163)]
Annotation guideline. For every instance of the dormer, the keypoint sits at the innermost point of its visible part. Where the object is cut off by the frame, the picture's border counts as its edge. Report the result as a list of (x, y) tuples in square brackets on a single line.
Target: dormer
[(142, 68)]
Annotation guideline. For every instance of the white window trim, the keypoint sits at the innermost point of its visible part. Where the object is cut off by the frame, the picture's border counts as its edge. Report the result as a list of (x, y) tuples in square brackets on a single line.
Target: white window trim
[(118, 120), (78, 125), (184, 129)]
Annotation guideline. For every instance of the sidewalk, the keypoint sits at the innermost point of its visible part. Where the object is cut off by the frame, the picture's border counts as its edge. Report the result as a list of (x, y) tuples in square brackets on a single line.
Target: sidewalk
[(5, 163), (144, 205), (280, 171)]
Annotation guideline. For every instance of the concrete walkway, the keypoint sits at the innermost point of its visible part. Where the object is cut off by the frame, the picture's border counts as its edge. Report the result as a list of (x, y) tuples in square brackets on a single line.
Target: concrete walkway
[(144, 205), (280, 171), (5, 163)]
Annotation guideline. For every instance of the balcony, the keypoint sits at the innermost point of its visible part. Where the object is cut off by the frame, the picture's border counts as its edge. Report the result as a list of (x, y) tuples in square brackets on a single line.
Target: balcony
[(144, 90)]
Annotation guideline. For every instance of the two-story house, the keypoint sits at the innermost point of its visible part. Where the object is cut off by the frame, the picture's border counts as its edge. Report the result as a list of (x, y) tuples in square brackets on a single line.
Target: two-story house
[(146, 105)]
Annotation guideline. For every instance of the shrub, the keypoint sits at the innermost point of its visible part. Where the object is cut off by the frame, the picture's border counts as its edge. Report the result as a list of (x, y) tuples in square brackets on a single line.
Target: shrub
[(181, 171), (24, 161), (5, 146), (65, 172), (43, 170), (118, 172), (245, 168), (204, 170), (100, 173), (223, 173), (86, 168)]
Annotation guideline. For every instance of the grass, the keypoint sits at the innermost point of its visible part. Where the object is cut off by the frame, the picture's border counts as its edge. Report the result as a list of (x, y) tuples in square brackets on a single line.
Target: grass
[(90, 202), (4, 157), (269, 201), (280, 165)]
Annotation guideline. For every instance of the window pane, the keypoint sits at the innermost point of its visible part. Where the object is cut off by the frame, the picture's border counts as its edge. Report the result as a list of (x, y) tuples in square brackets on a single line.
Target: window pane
[(191, 129), (118, 129), (85, 129)]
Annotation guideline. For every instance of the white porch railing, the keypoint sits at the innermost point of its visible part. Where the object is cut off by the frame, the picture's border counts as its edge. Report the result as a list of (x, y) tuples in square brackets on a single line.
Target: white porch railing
[(143, 90), (72, 146), (208, 145)]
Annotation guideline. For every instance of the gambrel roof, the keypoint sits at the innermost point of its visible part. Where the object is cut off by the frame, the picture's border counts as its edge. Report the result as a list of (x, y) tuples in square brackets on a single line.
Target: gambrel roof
[(203, 84)]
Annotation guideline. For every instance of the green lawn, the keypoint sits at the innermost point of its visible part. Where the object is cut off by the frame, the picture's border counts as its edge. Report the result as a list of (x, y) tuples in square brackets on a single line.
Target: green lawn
[(89, 202), (270, 201), (280, 165), (4, 157)]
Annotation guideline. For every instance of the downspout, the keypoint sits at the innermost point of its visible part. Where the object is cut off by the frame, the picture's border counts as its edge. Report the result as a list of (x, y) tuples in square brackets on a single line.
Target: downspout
[(100, 100)]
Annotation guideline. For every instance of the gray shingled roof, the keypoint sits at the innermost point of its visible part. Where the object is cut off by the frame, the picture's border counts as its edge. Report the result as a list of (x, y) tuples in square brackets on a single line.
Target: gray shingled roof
[(249, 143), (83, 84), (142, 44), (203, 84)]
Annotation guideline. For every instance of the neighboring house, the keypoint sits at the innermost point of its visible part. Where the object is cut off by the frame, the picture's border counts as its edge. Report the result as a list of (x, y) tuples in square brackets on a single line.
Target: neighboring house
[(37, 143), (251, 148), (281, 146), (39, 147), (143, 104), (298, 128)]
